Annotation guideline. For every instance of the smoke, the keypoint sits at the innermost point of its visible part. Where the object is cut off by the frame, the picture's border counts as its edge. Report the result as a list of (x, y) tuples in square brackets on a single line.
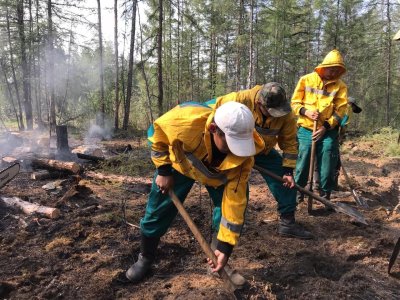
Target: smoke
[(96, 132)]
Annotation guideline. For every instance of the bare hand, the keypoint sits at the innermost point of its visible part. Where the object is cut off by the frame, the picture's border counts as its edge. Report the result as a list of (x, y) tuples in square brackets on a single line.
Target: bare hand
[(164, 183), (289, 181), (222, 259), (319, 134), (313, 115)]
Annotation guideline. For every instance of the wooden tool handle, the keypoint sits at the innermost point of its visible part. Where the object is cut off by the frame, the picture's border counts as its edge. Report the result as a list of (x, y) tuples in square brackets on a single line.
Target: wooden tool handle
[(229, 285)]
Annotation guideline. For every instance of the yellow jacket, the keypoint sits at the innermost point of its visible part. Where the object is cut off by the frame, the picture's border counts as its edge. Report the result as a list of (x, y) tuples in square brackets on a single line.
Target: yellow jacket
[(330, 99), (273, 130), (181, 138)]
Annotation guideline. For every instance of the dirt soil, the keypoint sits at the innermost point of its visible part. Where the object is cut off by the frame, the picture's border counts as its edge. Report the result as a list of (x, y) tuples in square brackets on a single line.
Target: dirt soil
[(84, 254)]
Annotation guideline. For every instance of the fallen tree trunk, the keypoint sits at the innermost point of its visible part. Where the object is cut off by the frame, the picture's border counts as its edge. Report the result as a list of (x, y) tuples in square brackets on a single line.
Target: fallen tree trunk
[(118, 178), (90, 157), (88, 150), (31, 208), (57, 165), (41, 174)]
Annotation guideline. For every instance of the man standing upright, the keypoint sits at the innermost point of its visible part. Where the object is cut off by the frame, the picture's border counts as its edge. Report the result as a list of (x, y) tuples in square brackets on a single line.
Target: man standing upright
[(320, 96)]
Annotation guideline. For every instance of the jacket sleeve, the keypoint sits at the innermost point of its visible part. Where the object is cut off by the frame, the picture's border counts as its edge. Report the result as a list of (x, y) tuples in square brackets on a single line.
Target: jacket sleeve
[(159, 146), (339, 106), (298, 97), (287, 141), (234, 202)]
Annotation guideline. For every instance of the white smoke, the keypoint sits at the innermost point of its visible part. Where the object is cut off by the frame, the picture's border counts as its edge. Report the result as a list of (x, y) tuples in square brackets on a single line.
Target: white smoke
[(97, 132)]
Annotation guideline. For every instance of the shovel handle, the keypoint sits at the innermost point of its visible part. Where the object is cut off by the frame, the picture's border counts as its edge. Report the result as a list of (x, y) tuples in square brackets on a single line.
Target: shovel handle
[(229, 285), (312, 166), (342, 208)]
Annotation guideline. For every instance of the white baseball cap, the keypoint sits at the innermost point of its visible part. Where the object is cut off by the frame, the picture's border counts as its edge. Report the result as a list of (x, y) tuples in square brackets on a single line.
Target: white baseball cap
[(237, 122)]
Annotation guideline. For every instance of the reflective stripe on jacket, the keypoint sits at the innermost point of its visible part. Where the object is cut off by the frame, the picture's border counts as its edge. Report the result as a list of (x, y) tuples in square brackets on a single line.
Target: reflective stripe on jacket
[(329, 99), (180, 137), (273, 130)]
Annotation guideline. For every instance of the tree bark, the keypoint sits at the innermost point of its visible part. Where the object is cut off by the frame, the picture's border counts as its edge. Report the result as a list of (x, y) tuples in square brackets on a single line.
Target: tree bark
[(56, 165), (31, 208)]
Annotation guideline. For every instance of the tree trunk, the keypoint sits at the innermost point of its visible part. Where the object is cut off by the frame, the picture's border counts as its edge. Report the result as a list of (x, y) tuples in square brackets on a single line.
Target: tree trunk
[(159, 57), (62, 139), (21, 122), (250, 77), (239, 46), (31, 208), (9, 88), (117, 102), (388, 63), (178, 62), (50, 73), (65, 166), (101, 67), (127, 105), (24, 65), (37, 72), (142, 65)]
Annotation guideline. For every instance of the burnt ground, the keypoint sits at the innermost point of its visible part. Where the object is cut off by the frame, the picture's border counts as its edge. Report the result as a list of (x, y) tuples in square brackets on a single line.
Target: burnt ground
[(84, 253)]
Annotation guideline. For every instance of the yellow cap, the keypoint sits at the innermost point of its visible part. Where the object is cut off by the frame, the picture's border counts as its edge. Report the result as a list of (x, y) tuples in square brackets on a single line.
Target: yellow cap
[(332, 59)]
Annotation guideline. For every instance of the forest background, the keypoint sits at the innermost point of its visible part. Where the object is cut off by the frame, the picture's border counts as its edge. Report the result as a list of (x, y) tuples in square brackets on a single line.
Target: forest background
[(167, 52)]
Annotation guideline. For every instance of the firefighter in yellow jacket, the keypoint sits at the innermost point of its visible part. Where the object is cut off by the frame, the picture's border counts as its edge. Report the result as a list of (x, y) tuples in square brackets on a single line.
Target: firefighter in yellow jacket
[(276, 123), (193, 142), (320, 96)]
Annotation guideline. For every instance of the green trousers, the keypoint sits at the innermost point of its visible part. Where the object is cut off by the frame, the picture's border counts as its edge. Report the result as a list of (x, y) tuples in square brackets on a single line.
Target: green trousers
[(327, 153), (285, 197), (161, 211)]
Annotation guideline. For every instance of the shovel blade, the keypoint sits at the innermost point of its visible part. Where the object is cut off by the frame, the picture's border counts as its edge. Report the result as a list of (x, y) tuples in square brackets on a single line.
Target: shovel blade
[(350, 211)]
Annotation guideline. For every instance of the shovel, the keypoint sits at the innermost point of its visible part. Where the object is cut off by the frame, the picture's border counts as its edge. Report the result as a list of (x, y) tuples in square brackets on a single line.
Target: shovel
[(228, 284), (360, 201), (338, 207), (311, 170)]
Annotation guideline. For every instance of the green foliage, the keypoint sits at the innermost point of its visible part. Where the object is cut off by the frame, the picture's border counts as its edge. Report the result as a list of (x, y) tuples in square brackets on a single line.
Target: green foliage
[(205, 51), (387, 139), (134, 163)]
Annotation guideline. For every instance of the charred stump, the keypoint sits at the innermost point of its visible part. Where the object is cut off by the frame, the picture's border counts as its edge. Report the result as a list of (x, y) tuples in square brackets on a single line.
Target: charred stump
[(62, 139)]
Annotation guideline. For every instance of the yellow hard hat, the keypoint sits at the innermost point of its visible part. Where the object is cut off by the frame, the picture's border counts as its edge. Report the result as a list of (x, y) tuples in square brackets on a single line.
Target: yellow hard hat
[(332, 59)]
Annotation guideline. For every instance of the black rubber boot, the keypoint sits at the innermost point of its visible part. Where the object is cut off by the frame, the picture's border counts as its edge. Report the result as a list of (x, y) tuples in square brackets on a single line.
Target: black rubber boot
[(289, 227), (146, 258)]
